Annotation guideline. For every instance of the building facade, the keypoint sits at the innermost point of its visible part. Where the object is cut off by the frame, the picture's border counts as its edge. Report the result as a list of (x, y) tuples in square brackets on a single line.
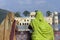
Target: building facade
[(55, 21), (49, 20), (23, 22)]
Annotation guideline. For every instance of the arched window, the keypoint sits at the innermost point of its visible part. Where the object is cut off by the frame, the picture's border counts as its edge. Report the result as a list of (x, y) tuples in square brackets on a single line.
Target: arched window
[(27, 23), (20, 23), (27, 20), (23, 23)]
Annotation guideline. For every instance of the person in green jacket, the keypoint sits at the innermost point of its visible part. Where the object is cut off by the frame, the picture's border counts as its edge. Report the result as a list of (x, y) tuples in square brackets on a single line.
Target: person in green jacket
[(41, 29)]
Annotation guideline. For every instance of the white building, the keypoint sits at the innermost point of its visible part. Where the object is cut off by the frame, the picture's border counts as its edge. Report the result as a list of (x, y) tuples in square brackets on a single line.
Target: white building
[(55, 20), (55, 17), (49, 20), (23, 22)]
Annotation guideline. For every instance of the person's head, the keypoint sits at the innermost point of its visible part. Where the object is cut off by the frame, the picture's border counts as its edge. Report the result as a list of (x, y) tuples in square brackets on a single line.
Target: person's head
[(39, 15)]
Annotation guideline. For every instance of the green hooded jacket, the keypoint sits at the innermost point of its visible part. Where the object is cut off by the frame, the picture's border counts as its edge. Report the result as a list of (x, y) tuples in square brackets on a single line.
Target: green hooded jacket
[(41, 29)]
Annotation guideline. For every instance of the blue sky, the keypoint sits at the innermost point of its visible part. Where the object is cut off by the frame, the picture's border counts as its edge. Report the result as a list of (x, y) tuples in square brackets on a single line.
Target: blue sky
[(30, 5)]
